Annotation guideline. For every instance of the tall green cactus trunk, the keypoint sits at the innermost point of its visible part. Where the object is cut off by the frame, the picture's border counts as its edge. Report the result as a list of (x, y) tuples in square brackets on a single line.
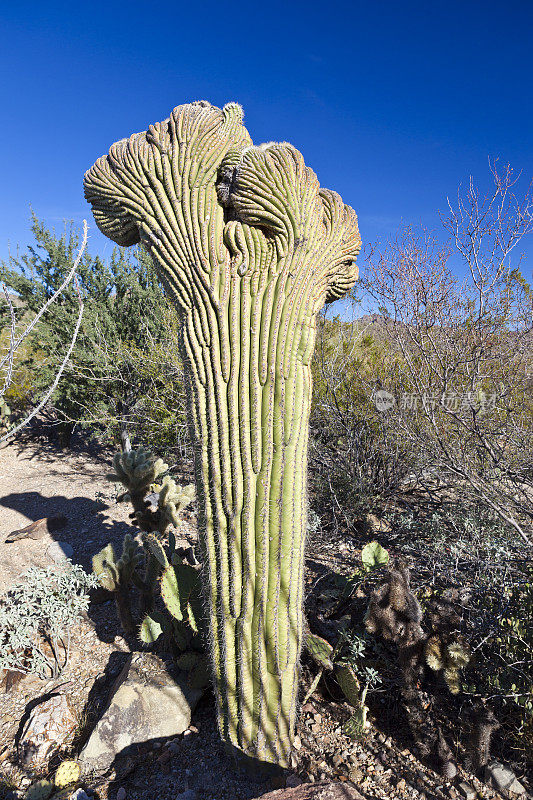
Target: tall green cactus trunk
[(249, 248), (251, 447)]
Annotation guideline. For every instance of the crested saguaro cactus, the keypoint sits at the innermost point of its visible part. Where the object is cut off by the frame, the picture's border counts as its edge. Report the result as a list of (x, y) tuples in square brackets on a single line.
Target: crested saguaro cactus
[(249, 248)]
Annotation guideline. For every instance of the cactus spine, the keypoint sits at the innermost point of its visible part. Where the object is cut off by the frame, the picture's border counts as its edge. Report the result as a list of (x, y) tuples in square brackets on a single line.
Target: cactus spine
[(249, 248)]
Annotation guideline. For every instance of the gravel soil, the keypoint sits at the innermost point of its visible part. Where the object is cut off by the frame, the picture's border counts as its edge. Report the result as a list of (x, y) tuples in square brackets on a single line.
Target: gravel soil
[(38, 480)]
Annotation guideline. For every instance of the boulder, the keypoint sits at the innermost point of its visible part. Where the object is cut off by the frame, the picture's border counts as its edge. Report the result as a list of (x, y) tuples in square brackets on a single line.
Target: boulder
[(324, 790), (146, 703), (59, 551), (49, 725)]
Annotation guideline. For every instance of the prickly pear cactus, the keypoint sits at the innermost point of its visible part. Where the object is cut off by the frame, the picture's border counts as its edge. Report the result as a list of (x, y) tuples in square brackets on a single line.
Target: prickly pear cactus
[(39, 791), (249, 248), (66, 774)]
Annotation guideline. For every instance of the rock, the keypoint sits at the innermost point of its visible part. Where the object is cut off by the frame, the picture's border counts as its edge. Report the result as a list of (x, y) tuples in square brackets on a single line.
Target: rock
[(504, 778), (467, 791), (24, 553), (121, 794), (293, 780), (49, 725), (79, 794), (38, 529), (145, 703), (322, 790), (59, 551)]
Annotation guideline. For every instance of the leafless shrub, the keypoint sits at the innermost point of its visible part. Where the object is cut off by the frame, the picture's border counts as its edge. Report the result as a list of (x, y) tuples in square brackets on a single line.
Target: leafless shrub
[(460, 382)]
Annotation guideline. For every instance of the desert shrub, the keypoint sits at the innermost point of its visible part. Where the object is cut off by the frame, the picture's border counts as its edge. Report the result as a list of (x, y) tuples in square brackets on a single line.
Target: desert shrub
[(432, 386), (467, 548), (357, 460), (146, 390), (124, 307), (461, 384), (38, 616)]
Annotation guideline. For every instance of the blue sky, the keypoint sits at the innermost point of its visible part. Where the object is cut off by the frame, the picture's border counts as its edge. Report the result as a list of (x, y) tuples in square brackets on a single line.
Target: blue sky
[(392, 103)]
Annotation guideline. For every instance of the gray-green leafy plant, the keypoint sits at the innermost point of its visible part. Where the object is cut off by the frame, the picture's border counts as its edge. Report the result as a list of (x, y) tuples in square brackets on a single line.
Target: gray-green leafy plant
[(37, 618), (249, 248)]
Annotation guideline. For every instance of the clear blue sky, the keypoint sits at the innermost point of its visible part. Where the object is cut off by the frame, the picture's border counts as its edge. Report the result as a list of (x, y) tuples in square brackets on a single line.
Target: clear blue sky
[(392, 103)]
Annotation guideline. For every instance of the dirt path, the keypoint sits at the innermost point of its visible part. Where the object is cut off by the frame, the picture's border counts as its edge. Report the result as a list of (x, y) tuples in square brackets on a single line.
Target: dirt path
[(37, 480)]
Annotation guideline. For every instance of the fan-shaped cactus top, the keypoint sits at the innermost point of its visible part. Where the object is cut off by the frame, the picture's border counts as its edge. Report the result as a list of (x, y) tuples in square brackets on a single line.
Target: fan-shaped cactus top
[(251, 199)]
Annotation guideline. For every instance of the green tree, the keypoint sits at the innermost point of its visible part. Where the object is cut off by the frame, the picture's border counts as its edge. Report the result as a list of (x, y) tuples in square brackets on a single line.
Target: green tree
[(124, 311)]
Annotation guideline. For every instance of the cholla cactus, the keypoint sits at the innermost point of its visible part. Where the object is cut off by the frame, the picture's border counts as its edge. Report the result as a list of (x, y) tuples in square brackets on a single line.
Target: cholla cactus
[(138, 471), (446, 649), (395, 614), (66, 774), (249, 247), (116, 576), (450, 658)]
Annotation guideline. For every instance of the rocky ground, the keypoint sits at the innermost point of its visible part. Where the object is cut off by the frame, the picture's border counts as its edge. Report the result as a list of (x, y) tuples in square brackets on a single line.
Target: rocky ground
[(36, 481)]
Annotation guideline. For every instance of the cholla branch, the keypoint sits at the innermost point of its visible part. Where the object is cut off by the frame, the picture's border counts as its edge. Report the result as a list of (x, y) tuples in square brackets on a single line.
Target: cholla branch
[(12, 331)]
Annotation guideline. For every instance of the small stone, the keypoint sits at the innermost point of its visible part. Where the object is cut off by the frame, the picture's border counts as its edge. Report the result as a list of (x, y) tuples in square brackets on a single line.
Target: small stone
[(504, 778), (337, 760), (173, 747), (400, 785), (467, 791), (297, 743), (187, 732), (79, 794), (188, 794), (318, 717), (121, 794), (193, 729), (164, 757)]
